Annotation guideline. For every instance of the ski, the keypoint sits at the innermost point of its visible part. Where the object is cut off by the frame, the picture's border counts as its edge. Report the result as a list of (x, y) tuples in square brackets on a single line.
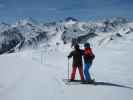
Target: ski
[(89, 82), (71, 82)]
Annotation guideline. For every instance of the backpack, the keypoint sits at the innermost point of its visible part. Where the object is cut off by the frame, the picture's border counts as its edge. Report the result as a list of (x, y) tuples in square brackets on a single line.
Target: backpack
[(88, 54)]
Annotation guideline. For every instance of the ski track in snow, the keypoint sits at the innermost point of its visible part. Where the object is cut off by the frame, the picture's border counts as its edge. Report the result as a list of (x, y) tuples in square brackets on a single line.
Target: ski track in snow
[(38, 76)]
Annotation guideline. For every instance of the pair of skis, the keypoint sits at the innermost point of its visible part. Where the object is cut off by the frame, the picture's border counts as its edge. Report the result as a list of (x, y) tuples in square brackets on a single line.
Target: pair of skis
[(68, 81)]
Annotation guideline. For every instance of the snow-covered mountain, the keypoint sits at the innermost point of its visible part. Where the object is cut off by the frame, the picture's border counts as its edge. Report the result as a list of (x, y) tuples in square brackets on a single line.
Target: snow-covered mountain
[(39, 74), (29, 33)]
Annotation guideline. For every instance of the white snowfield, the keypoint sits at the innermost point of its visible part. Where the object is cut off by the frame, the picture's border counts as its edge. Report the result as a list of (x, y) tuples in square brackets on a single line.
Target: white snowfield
[(39, 74)]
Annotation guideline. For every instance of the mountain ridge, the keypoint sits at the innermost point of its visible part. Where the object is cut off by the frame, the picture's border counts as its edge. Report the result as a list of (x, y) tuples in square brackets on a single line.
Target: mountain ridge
[(30, 33)]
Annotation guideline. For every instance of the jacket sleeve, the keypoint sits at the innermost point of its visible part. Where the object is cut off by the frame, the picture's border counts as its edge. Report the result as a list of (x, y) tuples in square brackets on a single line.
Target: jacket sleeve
[(92, 54), (82, 52), (70, 55)]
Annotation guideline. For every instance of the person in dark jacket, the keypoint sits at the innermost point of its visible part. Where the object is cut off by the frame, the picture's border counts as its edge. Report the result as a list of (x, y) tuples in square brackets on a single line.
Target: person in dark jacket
[(88, 59), (77, 54)]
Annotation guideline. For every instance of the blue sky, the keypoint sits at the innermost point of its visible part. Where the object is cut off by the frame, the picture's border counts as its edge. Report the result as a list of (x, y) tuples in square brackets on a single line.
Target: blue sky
[(52, 10)]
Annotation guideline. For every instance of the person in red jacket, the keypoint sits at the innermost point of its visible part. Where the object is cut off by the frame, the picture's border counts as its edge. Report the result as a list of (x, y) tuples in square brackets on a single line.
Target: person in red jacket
[(88, 59), (77, 54)]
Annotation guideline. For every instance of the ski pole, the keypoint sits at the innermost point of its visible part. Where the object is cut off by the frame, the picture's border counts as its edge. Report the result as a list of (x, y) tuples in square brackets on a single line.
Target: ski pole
[(68, 69), (92, 74)]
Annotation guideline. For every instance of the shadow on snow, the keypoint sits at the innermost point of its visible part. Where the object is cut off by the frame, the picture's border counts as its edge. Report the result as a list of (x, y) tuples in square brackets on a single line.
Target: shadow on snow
[(112, 84), (77, 82)]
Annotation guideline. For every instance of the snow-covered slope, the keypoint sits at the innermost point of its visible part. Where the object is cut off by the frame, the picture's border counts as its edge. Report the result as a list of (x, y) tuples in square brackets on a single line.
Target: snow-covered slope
[(38, 75), (29, 33)]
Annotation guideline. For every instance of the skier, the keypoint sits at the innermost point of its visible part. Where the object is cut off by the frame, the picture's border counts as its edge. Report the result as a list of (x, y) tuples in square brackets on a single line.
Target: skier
[(77, 54), (88, 59)]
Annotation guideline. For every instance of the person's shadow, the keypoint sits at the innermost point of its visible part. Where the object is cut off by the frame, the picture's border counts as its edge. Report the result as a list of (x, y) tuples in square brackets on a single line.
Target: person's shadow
[(112, 84)]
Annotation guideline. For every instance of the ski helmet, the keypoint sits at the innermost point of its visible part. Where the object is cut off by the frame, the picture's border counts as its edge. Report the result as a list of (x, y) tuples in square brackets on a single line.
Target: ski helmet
[(76, 46), (87, 45)]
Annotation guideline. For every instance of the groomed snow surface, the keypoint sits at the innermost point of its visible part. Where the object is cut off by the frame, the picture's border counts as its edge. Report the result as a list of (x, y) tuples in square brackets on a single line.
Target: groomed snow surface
[(38, 75)]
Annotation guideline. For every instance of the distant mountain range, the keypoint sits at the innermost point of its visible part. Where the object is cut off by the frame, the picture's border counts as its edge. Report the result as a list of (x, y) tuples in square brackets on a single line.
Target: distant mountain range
[(30, 33)]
